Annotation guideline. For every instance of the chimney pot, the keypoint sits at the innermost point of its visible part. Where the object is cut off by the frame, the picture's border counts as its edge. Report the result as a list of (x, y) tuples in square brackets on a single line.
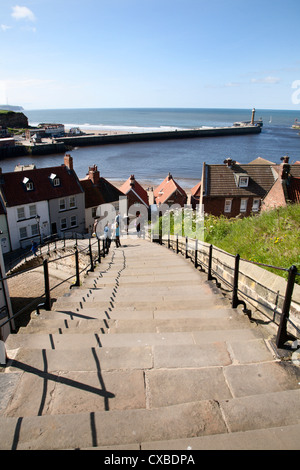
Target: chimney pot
[(68, 161)]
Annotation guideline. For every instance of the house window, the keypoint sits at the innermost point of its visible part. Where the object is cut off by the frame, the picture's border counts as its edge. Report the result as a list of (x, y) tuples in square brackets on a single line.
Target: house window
[(23, 232), (243, 181), (32, 211), (56, 182), (228, 204), (73, 221), (255, 205), (34, 230), (243, 206), (62, 204), (28, 184), (72, 202), (21, 213), (63, 224), (94, 212)]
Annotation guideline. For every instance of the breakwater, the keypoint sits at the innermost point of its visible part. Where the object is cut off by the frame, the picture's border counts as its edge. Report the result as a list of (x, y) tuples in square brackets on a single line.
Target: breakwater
[(78, 141), (63, 144)]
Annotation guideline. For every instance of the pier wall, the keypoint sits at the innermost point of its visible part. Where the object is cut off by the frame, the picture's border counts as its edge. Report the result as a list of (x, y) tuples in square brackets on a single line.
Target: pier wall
[(79, 141), (64, 144)]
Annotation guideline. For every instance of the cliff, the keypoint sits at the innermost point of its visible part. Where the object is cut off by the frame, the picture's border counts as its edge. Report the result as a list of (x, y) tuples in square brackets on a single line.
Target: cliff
[(13, 119)]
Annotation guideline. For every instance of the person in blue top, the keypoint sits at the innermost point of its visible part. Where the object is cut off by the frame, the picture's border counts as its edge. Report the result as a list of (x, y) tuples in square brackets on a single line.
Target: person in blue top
[(34, 247)]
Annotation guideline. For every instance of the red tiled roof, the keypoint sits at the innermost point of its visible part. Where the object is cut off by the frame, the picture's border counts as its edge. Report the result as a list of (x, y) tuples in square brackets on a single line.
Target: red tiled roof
[(195, 191), (294, 189), (166, 189), (137, 189), (14, 191)]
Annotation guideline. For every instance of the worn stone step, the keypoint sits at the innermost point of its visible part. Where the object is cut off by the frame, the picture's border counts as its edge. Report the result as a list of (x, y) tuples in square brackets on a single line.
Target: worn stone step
[(277, 438), (95, 340), (102, 428)]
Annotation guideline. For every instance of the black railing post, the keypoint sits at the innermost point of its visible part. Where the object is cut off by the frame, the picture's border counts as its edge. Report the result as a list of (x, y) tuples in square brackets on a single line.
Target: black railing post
[(168, 240), (177, 247), (186, 247), (47, 285), (91, 256), (196, 254), (282, 334), (77, 283), (235, 300), (99, 251), (209, 276)]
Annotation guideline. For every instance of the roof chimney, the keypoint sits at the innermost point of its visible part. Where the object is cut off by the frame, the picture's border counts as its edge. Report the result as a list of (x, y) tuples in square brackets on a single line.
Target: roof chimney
[(94, 174), (229, 162), (169, 177), (132, 181), (68, 161), (285, 167)]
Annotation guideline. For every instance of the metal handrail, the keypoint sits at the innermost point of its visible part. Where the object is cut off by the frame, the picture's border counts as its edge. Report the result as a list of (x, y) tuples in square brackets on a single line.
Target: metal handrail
[(47, 289), (282, 335)]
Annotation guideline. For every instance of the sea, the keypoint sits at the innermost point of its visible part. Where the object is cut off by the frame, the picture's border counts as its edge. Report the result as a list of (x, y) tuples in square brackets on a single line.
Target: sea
[(152, 161)]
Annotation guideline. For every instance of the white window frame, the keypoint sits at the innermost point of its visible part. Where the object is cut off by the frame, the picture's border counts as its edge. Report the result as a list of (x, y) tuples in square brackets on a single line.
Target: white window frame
[(21, 217), (72, 202), (227, 206), (63, 223), (243, 181), (34, 230), (56, 181), (243, 206), (62, 204), (32, 210), (23, 229), (29, 186), (256, 205), (73, 221)]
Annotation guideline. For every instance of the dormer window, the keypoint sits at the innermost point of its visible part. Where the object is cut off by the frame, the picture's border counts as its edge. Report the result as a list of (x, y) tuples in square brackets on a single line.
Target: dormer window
[(55, 179), (28, 184), (243, 181)]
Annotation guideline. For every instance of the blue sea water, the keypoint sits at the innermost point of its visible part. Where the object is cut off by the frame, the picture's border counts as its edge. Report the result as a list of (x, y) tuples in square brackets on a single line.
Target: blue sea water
[(151, 161)]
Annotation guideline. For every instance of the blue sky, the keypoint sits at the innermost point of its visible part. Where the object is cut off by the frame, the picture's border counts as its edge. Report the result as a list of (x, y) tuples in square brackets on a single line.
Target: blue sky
[(150, 53)]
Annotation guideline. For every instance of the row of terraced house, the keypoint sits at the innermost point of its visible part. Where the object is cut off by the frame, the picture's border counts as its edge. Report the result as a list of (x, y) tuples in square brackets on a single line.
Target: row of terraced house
[(36, 203)]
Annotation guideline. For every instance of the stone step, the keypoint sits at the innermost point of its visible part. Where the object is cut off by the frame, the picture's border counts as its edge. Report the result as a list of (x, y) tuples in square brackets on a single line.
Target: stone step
[(277, 438), (216, 319), (102, 428), (137, 426), (96, 340), (130, 314)]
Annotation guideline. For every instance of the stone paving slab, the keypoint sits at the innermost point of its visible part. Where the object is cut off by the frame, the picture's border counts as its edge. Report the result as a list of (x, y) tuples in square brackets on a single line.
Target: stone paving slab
[(262, 411), (84, 359), (207, 355), (171, 387), (77, 392), (278, 438), (260, 378)]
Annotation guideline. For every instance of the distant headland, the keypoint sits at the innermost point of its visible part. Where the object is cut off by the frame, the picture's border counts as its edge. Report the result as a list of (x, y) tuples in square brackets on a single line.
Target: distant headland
[(7, 107)]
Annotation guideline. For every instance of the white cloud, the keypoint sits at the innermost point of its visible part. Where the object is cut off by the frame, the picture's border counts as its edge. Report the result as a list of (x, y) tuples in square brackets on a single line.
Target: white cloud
[(4, 27), (23, 13), (267, 80)]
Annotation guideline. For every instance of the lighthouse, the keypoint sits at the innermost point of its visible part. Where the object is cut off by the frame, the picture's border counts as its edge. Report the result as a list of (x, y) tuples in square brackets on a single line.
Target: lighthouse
[(253, 115)]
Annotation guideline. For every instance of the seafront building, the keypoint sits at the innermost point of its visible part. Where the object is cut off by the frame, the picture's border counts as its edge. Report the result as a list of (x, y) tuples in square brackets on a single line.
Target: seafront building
[(231, 189), (41, 202), (98, 191)]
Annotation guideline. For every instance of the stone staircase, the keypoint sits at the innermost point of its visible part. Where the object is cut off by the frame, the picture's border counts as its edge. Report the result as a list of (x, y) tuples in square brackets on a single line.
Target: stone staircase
[(146, 354)]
